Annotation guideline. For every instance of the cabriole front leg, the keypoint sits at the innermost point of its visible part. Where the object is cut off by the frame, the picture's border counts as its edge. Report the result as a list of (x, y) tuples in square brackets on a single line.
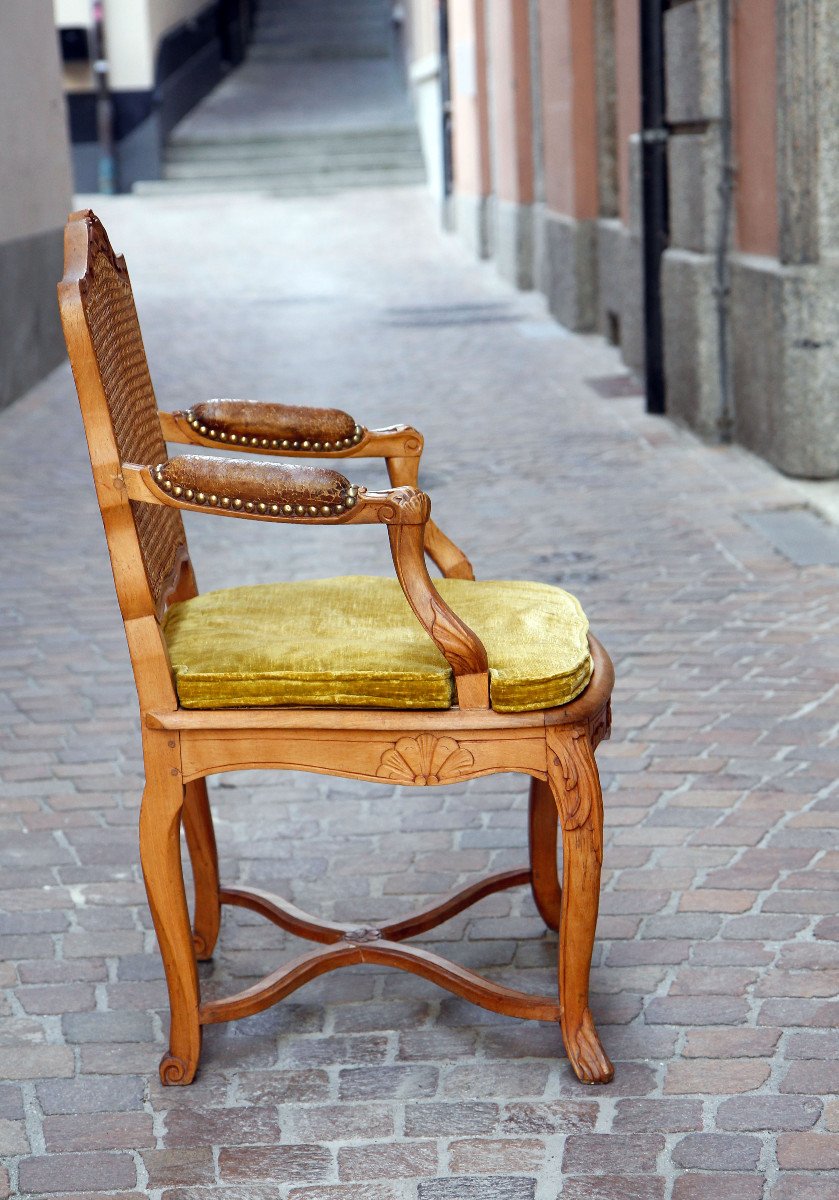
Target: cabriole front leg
[(160, 855), (575, 783)]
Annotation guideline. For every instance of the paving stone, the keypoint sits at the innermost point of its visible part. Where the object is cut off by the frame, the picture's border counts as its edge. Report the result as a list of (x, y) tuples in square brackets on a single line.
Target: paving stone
[(37, 1062), (717, 1152), (116, 1058), (11, 1102), (251, 1192), (603, 1153), (257, 1087), (108, 1027), (368, 1190), (607, 1187), (497, 1078), (808, 1151), (707, 1187), (768, 1112), (319, 1123), (512, 1187), (801, 1186), (59, 999), (373, 1083), (818, 1044), (812, 1078), (443, 1119), (77, 1172), (289, 1164), (695, 1010), (657, 1116), (707, 1075), (13, 1139), (550, 1117), (180, 1165), (221, 1126), (474, 1156), (730, 1043), (88, 1094), (376, 1160), (112, 1131)]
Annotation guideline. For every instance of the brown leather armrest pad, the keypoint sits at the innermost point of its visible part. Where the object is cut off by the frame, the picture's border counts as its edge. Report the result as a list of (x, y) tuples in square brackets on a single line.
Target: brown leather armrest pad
[(274, 426), (275, 489)]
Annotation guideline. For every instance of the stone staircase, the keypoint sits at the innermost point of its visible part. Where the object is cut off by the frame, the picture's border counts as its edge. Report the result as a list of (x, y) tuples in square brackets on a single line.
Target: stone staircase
[(291, 30), (318, 107), (303, 164)]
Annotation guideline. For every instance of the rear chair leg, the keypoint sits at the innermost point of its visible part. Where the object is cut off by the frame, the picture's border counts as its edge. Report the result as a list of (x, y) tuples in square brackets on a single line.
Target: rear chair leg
[(160, 854), (575, 783), (201, 843), (544, 883)]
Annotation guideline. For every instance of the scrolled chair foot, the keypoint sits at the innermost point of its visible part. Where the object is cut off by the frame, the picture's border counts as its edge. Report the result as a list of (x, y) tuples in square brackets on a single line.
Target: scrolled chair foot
[(174, 1072), (203, 950), (588, 1059)]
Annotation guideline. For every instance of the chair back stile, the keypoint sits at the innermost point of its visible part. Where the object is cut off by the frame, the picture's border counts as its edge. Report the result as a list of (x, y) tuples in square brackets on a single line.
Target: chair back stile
[(147, 543)]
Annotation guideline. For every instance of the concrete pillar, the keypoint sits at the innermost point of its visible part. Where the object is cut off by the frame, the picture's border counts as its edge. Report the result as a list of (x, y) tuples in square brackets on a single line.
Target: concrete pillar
[(567, 272), (620, 317), (35, 194), (783, 323), (424, 70), (470, 113), (755, 127), (692, 48), (511, 126), (786, 308)]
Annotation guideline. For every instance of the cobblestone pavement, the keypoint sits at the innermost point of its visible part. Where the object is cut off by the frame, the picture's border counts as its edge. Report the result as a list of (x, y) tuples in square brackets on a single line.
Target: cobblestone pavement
[(717, 967)]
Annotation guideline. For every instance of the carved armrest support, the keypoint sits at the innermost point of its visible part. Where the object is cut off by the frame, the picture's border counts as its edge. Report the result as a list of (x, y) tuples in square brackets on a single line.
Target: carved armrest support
[(292, 492), (285, 429), (461, 647)]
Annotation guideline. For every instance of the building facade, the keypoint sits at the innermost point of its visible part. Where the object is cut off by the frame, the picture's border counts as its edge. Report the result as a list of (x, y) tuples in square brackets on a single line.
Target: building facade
[(162, 57), (668, 175), (35, 195)]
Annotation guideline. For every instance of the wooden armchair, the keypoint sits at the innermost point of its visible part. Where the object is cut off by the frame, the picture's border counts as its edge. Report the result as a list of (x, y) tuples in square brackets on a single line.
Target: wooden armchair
[(239, 679)]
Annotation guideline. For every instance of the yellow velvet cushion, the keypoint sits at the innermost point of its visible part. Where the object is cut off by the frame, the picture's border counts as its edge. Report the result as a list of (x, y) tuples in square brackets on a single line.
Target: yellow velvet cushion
[(353, 642)]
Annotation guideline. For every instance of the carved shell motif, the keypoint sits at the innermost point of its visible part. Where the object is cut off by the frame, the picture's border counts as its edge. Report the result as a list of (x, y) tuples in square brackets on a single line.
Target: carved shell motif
[(425, 759)]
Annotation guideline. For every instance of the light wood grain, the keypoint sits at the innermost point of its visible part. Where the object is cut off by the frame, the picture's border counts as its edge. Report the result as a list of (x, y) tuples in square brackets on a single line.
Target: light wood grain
[(554, 747)]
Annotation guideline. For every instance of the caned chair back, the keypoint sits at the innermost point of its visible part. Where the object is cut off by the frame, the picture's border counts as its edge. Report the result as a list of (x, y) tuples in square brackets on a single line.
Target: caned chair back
[(120, 414)]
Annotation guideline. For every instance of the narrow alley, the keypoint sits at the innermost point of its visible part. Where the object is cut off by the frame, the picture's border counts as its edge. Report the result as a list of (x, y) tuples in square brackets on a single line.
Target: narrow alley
[(715, 979)]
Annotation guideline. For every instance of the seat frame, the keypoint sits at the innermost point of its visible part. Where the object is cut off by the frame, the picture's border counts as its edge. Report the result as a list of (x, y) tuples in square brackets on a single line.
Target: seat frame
[(181, 747)]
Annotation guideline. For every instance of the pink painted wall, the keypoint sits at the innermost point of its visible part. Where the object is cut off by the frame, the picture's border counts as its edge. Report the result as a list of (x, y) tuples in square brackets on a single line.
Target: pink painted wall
[(754, 78), (511, 103), (467, 59), (628, 87), (569, 110)]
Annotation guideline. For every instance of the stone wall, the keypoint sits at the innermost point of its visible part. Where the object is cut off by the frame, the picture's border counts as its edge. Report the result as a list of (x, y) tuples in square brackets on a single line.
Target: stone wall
[(783, 319), (548, 183)]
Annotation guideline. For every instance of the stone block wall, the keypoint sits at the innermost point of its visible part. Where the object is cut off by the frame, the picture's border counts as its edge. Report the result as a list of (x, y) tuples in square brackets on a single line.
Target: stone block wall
[(548, 183)]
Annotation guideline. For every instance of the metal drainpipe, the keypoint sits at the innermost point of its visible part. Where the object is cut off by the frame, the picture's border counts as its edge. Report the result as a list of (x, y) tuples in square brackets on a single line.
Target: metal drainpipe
[(656, 224), (722, 283), (445, 103)]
